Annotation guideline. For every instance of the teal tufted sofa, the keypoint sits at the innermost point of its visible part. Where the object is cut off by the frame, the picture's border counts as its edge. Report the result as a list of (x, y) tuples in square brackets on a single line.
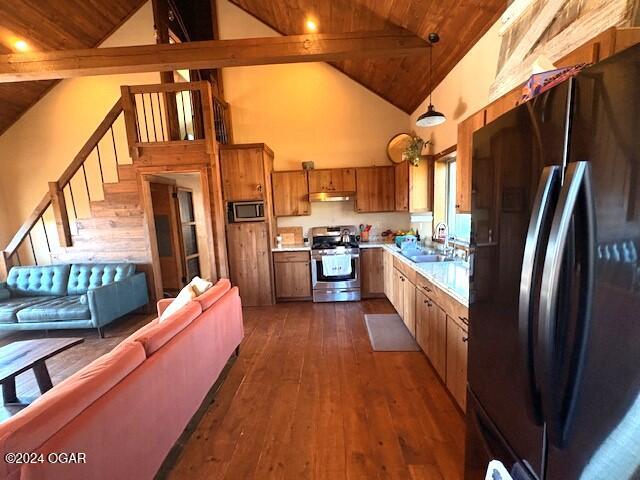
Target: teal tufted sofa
[(86, 295)]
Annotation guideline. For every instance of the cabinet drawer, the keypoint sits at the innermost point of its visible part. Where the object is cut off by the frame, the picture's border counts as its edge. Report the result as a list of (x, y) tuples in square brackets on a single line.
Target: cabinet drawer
[(406, 270), (285, 257)]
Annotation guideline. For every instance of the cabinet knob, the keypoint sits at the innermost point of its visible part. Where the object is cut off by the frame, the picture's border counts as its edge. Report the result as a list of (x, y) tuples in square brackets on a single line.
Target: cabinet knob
[(426, 288), (457, 205), (465, 339), (260, 187)]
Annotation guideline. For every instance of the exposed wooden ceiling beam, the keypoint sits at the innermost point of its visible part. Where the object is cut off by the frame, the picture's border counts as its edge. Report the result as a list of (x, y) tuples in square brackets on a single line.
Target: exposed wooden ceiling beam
[(324, 47)]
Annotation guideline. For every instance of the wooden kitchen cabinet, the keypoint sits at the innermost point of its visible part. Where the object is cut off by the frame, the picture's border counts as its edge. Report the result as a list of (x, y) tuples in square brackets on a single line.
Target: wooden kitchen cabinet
[(243, 173), (375, 189), (457, 345), (332, 180), (409, 306), (421, 186), (250, 262), (401, 177), (292, 271), (290, 193), (464, 156), (387, 260), (431, 332), (372, 272), (398, 291)]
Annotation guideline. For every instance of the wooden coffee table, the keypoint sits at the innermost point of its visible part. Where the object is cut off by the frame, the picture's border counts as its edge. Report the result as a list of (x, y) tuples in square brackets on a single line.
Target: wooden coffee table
[(18, 357)]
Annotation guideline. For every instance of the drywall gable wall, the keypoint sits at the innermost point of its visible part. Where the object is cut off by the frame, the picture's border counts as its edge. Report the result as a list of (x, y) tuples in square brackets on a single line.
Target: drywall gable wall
[(308, 111), (42, 143)]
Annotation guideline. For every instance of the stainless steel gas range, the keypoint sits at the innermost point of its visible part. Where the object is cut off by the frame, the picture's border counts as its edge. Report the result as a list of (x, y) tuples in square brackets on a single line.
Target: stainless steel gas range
[(331, 286)]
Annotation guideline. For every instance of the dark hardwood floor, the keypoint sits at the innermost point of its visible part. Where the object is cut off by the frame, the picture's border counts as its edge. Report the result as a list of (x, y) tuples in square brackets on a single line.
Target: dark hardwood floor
[(70, 361), (307, 398)]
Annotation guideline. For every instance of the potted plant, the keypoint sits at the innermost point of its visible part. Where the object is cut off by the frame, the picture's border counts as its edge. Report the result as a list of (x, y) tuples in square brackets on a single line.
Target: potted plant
[(413, 152)]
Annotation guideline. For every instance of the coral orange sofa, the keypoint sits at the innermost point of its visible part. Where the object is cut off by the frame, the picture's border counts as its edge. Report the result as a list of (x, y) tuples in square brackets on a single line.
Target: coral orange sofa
[(124, 411)]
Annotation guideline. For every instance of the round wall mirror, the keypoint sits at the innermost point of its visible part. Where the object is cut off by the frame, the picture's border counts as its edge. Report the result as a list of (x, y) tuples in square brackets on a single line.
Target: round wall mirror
[(397, 145)]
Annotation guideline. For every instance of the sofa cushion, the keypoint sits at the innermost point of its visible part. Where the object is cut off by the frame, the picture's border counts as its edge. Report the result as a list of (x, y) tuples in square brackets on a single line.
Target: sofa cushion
[(84, 276), (32, 281), (56, 309), (214, 294), (11, 306), (155, 337), (31, 427)]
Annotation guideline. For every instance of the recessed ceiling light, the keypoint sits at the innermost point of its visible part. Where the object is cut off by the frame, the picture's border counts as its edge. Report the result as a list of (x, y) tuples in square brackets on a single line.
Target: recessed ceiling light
[(311, 26), (21, 45)]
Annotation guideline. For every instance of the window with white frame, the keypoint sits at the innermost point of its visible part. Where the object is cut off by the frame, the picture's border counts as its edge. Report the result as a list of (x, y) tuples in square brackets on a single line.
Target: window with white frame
[(459, 223)]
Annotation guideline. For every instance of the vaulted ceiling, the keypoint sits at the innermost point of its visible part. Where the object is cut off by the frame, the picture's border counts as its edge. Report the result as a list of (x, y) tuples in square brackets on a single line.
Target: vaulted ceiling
[(52, 25), (402, 81), (70, 24)]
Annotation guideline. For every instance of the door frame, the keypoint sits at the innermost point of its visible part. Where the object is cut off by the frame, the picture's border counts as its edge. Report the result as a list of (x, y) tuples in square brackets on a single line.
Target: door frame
[(147, 176)]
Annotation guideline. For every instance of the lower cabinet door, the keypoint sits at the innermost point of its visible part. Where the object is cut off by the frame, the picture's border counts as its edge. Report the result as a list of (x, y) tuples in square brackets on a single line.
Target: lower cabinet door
[(409, 307), (437, 338), (457, 362), (293, 278), (421, 312), (387, 266)]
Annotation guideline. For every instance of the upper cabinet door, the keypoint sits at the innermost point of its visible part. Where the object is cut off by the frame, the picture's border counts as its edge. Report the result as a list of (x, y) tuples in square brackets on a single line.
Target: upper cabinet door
[(401, 173), (463, 160), (290, 193), (421, 186), (332, 180), (242, 174), (375, 189)]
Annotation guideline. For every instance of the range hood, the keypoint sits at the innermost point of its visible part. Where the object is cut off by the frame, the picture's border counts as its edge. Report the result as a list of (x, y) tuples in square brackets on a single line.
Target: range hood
[(332, 196)]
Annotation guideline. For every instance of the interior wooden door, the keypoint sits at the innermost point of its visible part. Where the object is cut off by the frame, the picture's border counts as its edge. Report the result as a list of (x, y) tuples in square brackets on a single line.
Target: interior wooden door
[(189, 234), (167, 235)]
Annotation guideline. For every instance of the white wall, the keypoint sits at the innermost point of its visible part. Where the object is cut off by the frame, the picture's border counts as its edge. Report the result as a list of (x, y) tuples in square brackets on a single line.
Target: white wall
[(41, 144), (309, 111)]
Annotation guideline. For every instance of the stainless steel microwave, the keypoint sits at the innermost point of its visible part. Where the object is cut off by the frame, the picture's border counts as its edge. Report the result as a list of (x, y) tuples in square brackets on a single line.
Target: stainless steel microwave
[(246, 211)]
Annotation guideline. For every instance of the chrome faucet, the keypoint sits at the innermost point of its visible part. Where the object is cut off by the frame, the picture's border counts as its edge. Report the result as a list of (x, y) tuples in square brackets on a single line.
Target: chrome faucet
[(442, 228)]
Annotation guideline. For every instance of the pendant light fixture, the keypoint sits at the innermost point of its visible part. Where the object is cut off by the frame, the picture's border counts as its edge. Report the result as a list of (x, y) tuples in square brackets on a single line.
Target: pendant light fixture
[(431, 117)]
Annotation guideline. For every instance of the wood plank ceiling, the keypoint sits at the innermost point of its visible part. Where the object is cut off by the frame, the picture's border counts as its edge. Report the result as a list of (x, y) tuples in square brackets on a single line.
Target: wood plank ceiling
[(52, 25), (402, 81)]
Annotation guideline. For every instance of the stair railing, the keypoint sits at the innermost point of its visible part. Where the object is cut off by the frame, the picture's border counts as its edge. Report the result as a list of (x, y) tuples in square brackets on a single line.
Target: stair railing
[(32, 242)]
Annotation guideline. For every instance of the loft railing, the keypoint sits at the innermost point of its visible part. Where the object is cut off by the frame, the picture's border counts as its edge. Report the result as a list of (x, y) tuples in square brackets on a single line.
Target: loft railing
[(69, 197), (174, 112)]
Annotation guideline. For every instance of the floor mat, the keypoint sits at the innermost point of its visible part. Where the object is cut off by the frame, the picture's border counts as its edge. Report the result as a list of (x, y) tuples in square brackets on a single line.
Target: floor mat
[(388, 333)]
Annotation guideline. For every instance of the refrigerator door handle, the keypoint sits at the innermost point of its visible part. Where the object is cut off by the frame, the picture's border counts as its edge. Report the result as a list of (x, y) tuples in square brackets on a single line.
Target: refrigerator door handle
[(576, 199), (548, 187)]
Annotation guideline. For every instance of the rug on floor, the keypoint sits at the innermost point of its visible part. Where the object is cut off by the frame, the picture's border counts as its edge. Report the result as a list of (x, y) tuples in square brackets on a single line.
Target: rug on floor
[(388, 333)]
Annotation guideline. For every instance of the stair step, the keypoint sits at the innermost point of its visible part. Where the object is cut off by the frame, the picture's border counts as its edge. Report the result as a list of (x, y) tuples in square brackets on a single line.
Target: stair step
[(123, 186), (126, 172), (109, 234), (106, 223), (120, 200), (106, 209)]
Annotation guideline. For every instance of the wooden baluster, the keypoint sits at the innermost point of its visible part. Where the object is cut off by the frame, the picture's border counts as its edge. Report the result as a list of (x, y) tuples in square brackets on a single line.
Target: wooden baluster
[(59, 205)]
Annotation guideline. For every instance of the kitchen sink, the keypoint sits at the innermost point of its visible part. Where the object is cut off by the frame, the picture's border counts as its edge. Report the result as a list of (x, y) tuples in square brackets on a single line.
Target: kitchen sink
[(425, 256), (429, 258)]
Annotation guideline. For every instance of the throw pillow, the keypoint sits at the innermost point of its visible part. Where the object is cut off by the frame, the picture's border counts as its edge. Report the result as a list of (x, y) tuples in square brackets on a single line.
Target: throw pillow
[(184, 297), (200, 285)]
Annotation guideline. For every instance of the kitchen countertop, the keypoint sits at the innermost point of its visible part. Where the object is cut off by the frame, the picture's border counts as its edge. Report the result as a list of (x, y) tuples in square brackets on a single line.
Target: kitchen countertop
[(452, 277), (292, 248)]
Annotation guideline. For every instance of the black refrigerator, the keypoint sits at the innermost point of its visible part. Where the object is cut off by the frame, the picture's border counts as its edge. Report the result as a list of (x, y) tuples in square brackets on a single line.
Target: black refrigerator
[(554, 330)]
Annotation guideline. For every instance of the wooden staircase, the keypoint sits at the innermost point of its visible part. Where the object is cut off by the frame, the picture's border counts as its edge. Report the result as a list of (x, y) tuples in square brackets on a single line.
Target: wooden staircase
[(95, 209)]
